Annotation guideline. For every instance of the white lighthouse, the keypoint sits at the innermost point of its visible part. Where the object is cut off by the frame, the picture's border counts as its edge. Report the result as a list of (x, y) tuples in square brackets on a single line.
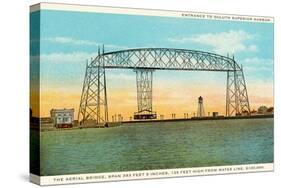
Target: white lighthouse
[(200, 110)]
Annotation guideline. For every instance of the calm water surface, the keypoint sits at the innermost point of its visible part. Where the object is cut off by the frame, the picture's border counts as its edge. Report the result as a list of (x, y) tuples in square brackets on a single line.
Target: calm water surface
[(157, 146)]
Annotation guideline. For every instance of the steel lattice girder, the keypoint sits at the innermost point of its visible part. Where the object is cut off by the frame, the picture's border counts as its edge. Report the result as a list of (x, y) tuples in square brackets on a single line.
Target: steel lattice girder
[(93, 104), (168, 59), (237, 101), (144, 90)]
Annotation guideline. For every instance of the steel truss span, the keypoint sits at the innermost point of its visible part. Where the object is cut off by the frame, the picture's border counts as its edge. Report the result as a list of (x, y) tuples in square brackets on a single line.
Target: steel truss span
[(93, 104)]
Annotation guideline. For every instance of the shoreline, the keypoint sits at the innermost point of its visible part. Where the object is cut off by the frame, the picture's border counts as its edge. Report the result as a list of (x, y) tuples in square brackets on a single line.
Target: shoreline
[(130, 123), (204, 118)]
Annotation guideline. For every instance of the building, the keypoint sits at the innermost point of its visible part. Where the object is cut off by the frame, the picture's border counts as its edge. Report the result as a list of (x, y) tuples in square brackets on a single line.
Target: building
[(215, 114), (62, 118)]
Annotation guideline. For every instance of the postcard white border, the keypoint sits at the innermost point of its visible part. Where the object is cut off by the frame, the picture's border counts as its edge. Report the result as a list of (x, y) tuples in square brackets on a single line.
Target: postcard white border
[(149, 174), (150, 12)]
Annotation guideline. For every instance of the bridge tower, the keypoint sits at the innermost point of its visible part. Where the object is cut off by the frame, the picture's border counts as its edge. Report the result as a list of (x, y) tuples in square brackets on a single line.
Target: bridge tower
[(200, 110), (144, 94), (93, 103), (237, 101)]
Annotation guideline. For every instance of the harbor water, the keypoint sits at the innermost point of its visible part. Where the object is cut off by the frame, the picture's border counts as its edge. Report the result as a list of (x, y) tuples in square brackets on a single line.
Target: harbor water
[(161, 145)]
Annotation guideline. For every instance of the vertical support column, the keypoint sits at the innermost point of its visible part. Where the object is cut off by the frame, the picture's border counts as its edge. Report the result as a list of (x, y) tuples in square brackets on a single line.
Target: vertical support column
[(232, 96), (98, 92), (81, 113), (237, 102), (144, 94), (93, 104), (236, 90), (227, 110), (243, 94), (105, 91)]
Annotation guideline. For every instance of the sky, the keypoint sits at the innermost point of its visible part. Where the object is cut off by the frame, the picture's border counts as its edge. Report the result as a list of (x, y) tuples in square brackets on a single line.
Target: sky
[(68, 39)]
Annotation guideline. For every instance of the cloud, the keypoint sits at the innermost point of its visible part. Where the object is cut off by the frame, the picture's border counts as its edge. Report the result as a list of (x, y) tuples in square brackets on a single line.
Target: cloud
[(68, 40), (256, 60), (79, 42), (223, 42), (258, 64), (253, 48), (65, 57)]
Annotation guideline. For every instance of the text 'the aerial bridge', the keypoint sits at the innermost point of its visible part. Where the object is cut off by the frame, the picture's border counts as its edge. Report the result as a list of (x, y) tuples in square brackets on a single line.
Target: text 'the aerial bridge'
[(144, 61)]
